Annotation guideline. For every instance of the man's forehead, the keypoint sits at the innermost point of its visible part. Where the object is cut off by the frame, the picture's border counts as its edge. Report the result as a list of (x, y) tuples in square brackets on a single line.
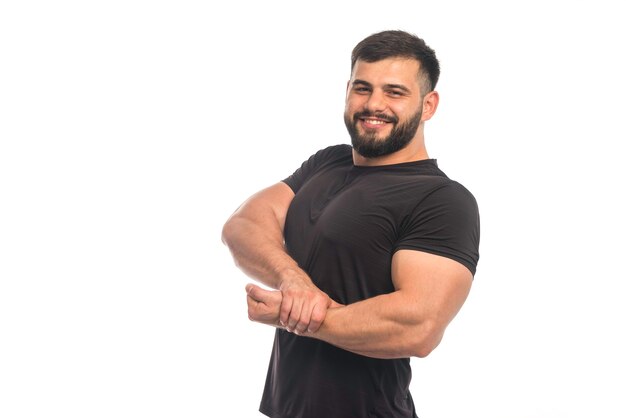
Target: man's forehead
[(399, 68)]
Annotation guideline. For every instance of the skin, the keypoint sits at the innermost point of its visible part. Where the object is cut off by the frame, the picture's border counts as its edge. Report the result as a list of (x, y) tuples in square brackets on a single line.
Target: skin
[(410, 321), (390, 87), (254, 235), (429, 289)]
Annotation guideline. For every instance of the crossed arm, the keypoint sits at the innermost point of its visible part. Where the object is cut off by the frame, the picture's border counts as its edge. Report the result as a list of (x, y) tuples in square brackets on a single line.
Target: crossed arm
[(254, 235), (429, 290)]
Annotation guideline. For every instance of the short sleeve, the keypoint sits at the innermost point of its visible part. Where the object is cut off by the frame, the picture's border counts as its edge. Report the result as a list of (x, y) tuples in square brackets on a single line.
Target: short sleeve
[(446, 223), (315, 163)]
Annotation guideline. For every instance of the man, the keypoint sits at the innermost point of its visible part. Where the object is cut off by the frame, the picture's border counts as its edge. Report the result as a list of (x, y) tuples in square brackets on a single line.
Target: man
[(371, 248)]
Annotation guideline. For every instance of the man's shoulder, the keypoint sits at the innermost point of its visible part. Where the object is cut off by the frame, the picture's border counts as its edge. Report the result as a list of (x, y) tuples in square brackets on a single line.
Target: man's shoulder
[(448, 186), (332, 155), (336, 151), (455, 194)]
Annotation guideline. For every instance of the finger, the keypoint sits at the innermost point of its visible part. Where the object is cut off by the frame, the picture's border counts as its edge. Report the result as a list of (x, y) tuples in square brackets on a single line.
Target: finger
[(250, 287), (285, 309), (252, 308), (257, 293), (317, 317), (294, 315), (268, 297), (305, 318)]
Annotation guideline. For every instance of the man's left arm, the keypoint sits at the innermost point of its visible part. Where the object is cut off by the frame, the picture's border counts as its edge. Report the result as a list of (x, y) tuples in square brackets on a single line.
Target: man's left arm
[(411, 321)]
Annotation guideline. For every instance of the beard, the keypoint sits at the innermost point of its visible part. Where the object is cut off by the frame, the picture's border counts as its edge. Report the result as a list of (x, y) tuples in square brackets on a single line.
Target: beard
[(368, 146)]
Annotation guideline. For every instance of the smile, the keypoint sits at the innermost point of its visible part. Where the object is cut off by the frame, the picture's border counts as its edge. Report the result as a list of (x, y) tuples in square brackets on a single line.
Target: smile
[(374, 121)]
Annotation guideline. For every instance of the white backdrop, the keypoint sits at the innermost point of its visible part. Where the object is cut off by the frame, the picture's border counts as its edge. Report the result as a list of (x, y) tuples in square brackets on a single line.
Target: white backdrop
[(130, 130)]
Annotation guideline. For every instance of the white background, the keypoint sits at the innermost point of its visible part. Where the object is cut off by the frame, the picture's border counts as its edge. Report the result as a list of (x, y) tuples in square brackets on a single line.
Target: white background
[(130, 130)]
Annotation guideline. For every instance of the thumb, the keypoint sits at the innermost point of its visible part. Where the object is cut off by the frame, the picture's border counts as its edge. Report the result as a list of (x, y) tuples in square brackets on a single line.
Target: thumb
[(262, 295), (256, 293), (250, 288)]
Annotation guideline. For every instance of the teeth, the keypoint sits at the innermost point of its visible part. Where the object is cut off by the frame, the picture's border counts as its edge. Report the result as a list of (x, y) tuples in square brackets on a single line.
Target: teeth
[(375, 122)]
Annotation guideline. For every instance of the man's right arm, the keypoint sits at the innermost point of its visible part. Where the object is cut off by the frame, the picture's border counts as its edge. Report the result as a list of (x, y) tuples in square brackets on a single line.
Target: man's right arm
[(254, 235)]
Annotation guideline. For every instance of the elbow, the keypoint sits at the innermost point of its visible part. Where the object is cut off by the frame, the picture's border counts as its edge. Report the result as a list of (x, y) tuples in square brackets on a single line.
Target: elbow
[(229, 238), (229, 231), (425, 340), (423, 350), (226, 232)]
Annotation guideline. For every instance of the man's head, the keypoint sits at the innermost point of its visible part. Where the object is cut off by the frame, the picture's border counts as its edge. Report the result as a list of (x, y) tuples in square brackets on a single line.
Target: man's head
[(391, 91), (400, 44)]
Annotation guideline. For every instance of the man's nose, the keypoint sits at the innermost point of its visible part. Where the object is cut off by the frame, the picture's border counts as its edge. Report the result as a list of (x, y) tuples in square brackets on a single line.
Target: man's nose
[(376, 102)]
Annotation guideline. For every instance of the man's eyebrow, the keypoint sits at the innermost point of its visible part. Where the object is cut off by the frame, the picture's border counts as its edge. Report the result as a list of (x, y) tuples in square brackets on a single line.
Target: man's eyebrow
[(398, 86), (359, 82)]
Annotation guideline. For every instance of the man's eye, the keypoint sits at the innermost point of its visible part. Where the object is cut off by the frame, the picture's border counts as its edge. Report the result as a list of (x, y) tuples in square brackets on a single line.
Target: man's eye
[(395, 93), (361, 89)]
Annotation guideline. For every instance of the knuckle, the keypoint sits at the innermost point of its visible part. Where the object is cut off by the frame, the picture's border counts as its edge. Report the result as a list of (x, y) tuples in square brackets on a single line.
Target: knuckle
[(317, 317)]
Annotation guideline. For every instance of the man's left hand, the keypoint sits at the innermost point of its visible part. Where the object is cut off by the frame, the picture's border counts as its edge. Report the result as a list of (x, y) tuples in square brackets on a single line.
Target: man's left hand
[(264, 305)]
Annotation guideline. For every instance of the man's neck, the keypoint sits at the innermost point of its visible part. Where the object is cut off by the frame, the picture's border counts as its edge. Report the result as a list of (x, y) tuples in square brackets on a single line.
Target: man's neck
[(412, 152)]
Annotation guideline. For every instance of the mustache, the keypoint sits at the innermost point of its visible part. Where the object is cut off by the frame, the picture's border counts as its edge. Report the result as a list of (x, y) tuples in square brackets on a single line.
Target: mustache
[(381, 116)]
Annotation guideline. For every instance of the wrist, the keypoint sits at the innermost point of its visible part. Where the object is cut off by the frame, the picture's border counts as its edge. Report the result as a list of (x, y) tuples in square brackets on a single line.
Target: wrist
[(291, 275), (334, 304)]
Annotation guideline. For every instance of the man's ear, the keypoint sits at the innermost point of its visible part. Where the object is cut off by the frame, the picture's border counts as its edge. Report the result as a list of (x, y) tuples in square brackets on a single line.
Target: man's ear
[(429, 105)]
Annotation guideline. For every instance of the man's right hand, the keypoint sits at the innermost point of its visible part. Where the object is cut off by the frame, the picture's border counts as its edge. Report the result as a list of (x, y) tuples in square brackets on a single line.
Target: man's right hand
[(304, 306)]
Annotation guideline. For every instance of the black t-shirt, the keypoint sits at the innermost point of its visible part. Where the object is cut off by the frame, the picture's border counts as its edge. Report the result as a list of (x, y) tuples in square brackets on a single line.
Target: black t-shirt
[(343, 227)]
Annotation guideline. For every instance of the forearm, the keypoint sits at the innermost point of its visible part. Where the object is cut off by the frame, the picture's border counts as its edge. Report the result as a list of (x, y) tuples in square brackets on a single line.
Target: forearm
[(410, 321), (258, 249), (254, 235), (386, 326)]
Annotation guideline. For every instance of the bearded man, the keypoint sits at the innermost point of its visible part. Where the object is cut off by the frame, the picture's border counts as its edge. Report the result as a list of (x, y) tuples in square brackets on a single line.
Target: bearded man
[(371, 248)]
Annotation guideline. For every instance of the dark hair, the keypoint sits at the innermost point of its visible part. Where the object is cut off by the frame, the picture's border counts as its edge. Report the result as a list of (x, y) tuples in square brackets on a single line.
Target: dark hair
[(397, 43)]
